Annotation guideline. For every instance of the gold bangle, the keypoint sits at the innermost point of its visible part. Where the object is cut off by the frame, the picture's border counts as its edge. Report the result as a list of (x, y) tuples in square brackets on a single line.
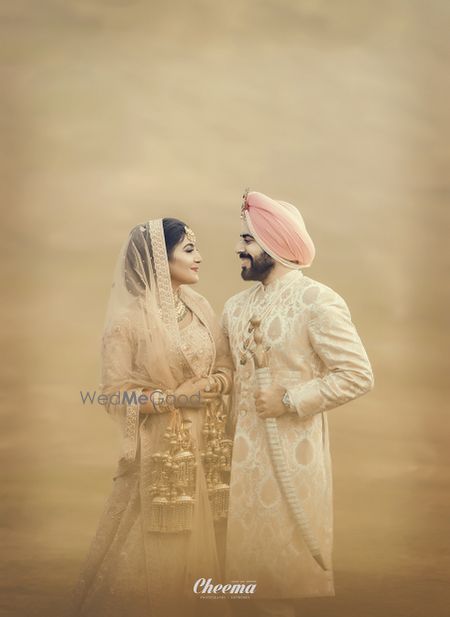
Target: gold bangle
[(225, 384), (219, 383), (170, 406), (162, 405)]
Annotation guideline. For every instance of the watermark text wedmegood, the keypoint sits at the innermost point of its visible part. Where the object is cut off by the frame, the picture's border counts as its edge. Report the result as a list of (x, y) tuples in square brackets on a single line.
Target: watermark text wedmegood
[(133, 397)]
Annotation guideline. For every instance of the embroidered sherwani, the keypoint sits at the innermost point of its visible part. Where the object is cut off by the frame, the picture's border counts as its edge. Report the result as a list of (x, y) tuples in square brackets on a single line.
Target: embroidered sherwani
[(317, 355)]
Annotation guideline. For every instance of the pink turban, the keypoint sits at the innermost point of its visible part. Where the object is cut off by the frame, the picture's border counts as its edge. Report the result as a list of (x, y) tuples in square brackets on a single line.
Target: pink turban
[(279, 229)]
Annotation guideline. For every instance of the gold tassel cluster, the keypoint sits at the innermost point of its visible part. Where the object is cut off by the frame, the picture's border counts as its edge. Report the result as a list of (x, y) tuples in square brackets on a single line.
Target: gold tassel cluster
[(216, 459), (173, 480)]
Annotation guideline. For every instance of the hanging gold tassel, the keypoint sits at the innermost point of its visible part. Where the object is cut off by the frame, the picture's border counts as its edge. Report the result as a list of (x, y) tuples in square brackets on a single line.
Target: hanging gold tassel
[(173, 480), (174, 472), (216, 459)]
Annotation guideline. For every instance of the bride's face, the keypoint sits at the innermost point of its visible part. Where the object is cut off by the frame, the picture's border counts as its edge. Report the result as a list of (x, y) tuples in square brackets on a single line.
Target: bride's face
[(184, 263)]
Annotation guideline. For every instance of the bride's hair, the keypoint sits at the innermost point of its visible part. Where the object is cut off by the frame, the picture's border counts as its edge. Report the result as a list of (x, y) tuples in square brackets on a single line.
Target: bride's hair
[(139, 258), (174, 232)]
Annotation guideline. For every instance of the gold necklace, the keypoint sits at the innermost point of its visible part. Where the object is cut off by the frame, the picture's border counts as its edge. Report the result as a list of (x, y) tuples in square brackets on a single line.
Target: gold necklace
[(180, 309)]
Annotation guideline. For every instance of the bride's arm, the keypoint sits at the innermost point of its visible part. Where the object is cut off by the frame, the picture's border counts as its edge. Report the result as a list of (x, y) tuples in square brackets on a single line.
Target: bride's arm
[(135, 398), (117, 383), (117, 362), (222, 371)]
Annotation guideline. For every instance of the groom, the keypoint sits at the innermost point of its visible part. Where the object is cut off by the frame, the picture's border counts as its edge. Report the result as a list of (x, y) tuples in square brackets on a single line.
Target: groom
[(316, 362)]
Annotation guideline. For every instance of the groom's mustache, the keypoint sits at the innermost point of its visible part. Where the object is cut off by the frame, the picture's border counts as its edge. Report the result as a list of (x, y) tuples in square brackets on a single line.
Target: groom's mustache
[(245, 256)]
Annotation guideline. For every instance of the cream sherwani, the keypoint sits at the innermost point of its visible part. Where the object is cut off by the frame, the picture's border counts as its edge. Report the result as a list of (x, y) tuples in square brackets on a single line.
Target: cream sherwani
[(317, 355)]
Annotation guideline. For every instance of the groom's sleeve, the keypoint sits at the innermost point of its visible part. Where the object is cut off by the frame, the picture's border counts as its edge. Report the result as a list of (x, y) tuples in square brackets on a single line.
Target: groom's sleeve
[(335, 340)]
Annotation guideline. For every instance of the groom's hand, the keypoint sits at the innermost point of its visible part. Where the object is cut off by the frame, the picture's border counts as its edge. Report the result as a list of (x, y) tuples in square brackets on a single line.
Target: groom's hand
[(269, 402)]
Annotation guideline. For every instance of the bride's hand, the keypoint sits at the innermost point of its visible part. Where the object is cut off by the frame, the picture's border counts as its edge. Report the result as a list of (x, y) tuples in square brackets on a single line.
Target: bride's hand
[(188, 395), (194, 393)]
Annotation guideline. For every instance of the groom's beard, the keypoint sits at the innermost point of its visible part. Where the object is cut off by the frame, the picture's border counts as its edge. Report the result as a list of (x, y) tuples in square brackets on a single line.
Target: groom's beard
[(259, 267)]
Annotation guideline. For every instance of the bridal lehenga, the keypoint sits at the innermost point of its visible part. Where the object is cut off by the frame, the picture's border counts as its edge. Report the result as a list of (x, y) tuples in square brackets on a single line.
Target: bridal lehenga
[(163, 524)]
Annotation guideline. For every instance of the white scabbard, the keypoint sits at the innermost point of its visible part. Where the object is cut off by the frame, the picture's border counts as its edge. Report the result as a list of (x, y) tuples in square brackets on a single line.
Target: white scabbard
[(264, 380)]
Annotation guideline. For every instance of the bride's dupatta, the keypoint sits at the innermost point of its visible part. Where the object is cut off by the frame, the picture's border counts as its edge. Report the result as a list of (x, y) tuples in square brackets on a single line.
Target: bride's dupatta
[(141, 349)]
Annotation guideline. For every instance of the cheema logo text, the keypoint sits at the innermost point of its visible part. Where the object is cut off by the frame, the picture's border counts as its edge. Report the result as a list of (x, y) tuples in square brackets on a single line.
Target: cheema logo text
[(203, 585)]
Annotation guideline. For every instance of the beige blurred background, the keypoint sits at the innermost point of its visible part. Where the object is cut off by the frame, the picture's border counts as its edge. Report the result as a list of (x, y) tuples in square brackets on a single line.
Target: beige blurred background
[(114, 112)]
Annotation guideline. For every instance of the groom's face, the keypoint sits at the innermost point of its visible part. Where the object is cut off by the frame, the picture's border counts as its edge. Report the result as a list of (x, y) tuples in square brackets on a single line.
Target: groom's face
[(255, 262)]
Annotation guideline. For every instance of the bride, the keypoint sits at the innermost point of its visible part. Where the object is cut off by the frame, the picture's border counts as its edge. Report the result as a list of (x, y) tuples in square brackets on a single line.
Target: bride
[(165, 371)]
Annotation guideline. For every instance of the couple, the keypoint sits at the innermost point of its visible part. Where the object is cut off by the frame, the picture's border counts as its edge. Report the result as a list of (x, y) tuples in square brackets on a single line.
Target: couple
[(225, 472)]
